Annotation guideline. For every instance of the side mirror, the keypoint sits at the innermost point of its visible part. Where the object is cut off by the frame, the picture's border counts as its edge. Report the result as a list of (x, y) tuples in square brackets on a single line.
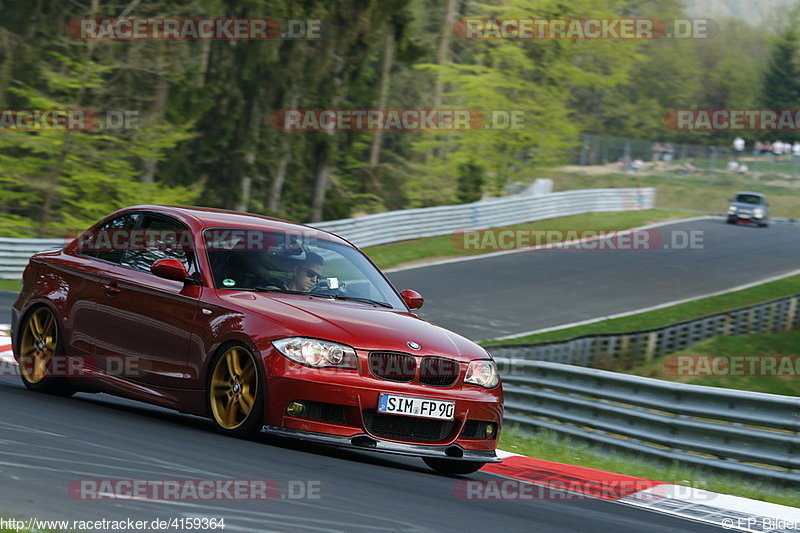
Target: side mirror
[(412, 299), (170, 269)]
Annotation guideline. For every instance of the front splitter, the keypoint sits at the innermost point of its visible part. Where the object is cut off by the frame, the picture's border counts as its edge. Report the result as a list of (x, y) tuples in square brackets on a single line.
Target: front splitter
[(368, 443)]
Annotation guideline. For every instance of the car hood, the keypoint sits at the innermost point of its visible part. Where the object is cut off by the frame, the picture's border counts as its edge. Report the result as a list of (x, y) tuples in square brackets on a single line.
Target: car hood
[(359, 325)]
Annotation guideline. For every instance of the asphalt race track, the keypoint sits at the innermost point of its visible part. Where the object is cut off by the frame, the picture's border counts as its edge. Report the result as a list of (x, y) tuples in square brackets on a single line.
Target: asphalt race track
[(514, 293), (47, 442)]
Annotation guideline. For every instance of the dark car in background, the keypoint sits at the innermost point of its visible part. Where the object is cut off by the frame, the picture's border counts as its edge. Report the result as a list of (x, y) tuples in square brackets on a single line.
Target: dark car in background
[(749, 207)]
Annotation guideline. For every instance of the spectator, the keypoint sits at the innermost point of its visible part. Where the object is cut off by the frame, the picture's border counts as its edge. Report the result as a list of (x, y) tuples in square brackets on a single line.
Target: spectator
[(669, 150), (758, 148), (657, 150), (738, 147), (796, 149), (777, 149)]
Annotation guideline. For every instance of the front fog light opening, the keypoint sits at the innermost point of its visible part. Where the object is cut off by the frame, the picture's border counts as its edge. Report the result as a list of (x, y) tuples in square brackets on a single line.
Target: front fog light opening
[(295, 409), (491, 431)]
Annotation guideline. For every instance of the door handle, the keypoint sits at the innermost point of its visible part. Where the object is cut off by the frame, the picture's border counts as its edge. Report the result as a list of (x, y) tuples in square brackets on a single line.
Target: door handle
[(111, 289)]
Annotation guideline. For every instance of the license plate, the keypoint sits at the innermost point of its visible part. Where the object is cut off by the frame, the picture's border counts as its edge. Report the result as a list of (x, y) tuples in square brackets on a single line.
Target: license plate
[(421, 407)]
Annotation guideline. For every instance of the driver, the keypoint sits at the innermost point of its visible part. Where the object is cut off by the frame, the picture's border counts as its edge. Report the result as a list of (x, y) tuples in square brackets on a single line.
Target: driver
[(307, 273)]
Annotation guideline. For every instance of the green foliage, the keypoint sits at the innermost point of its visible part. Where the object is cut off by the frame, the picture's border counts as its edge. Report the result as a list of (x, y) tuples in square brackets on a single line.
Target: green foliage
[(470, 182), (782, 78), (205, 108)]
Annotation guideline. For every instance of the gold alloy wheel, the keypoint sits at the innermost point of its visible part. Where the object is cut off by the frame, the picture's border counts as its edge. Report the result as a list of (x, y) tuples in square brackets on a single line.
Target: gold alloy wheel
[(38, 344), (234, 386)]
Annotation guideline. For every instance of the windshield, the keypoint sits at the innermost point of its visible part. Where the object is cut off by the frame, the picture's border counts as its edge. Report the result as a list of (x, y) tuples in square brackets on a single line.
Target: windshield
[(293, 263), (748, 198)]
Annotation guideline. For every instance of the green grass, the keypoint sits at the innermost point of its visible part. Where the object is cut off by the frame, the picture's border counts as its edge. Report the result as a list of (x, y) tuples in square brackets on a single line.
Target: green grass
[(701, 192), (417, 250), (551, 446), (669, 315), (761, 344), (10, 285)]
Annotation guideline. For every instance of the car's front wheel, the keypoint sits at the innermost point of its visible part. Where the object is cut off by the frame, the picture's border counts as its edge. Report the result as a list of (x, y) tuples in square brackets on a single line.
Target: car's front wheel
[(39, 346), (235, 392), (452, 466)]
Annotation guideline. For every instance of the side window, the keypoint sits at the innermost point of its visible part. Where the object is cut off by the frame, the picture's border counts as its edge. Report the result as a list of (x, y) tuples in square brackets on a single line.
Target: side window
[(159, 238), (108, 241)]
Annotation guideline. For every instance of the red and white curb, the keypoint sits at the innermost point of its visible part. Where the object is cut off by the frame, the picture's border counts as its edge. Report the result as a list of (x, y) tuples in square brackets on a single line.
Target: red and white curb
[(5, 344), (730, 512)]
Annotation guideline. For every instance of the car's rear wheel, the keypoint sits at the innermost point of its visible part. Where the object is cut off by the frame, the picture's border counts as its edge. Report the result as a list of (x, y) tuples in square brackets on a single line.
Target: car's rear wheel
[(453, 467), (235, 392), (39, 345)]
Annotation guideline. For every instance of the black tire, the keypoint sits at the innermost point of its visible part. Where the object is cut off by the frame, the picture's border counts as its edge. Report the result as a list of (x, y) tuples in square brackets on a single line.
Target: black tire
[(40, 340), (222, 378), (731, 220), (453, 467)]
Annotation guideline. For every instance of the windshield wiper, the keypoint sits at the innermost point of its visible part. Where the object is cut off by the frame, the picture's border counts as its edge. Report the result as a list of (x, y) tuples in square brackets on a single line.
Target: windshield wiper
[(363, 300)]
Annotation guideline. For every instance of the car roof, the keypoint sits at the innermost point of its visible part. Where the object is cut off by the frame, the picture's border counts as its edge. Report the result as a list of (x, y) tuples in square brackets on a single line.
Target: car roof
[(749, 192), (208, 217)]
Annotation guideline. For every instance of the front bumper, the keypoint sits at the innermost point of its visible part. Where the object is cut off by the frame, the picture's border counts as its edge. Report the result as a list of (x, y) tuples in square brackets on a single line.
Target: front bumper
[(368, 443), (350, 400)]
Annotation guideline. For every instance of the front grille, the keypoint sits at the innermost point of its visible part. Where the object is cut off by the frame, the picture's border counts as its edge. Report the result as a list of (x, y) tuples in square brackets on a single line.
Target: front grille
[(438, 371), (323, 412), (475, 429), (393, 366), (407, 427)]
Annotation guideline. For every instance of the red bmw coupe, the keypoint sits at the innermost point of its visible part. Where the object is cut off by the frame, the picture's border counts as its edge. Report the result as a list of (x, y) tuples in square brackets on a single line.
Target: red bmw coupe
[(259, 325)]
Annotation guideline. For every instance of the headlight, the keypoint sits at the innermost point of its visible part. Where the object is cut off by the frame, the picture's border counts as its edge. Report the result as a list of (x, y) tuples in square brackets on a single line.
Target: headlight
[(482, 372), (758, 212), (731, 209), (317, 353)]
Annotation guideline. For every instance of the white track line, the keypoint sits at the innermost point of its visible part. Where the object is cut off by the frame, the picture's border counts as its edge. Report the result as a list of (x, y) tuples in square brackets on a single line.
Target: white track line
[(651, 308)]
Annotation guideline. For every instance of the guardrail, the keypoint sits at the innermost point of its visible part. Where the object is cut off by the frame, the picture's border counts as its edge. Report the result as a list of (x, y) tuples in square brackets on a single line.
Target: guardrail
[(381, 228), (394, 226), (626, 350), (738, 431), (14, 254)]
